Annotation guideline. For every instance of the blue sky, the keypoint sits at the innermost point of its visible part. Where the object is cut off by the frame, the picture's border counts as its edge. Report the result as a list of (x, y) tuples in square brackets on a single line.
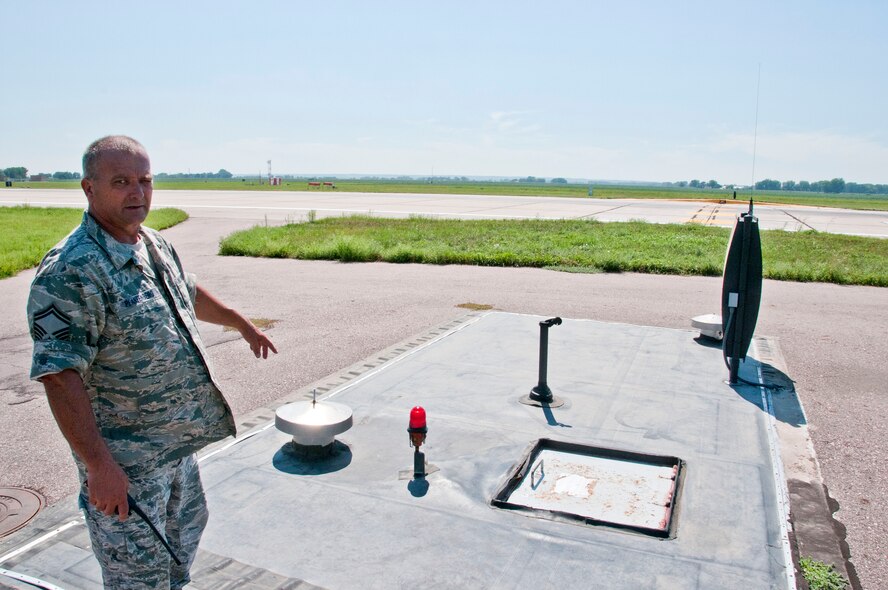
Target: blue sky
[(649, 91)]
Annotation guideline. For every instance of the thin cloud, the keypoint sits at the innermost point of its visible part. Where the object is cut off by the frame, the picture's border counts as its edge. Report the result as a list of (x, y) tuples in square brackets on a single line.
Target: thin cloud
[(511, 122)]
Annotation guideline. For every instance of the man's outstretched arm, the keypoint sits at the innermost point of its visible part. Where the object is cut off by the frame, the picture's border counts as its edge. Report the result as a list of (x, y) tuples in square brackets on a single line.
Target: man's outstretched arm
[(210, 309), (73, 413)]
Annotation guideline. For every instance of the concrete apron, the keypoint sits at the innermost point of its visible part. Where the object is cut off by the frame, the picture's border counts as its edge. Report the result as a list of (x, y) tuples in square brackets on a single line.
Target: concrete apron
[(359, 520)]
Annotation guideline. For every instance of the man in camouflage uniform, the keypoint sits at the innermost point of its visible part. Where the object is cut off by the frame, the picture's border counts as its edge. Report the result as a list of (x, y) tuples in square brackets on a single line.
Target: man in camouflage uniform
[(114, 320)]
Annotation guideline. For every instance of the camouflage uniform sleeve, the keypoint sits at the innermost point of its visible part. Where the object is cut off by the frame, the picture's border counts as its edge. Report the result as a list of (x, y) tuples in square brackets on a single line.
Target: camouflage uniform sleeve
[(66, 316), (191, 281)]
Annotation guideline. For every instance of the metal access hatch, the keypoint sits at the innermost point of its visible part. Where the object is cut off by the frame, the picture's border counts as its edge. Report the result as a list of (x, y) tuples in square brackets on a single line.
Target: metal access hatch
[(595, 485)]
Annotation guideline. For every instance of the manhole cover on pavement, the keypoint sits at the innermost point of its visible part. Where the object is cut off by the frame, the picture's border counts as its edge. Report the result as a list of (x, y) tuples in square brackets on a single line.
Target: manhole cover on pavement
[(17, 507)]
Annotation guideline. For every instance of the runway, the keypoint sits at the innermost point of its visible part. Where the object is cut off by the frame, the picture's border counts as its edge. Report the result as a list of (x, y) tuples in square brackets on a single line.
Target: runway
[(276, 207)]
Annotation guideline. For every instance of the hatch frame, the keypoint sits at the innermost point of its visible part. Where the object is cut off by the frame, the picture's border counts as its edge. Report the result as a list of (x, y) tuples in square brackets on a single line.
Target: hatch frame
[(522, 470)]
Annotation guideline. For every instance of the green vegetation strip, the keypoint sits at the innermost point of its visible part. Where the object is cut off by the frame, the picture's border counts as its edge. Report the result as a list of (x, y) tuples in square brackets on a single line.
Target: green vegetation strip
[(529, 189), (26, 233), (821, 576), (568, 245)]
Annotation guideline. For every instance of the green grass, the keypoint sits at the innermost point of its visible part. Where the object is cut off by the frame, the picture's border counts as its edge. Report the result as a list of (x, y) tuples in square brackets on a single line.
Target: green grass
[(568, 245), (821, 576), (608, 191), (26, 233)]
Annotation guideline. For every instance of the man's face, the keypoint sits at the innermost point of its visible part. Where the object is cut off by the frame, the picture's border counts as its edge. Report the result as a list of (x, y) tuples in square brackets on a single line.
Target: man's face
[(120, 194)]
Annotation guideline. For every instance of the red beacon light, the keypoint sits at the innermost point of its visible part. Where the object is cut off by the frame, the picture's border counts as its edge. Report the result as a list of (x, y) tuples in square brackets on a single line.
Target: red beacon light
[(417, 427), (418, 418)]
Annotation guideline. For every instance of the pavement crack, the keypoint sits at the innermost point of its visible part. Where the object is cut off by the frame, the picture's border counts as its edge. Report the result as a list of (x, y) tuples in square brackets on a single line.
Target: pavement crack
[(21, 393), (798, 220), (20, 402), (602, 211)]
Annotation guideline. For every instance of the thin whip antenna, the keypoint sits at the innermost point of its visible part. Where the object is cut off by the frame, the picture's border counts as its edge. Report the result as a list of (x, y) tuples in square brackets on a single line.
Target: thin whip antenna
[(755, 132)]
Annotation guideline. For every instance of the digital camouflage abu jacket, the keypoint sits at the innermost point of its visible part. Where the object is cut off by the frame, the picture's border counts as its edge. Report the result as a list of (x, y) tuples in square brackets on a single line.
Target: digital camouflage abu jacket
[(130, 331)]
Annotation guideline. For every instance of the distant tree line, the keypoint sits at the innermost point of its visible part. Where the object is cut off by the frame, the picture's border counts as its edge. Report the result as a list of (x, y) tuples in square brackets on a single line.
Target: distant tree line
[(222, 173), (21, 173), (532, 179), (697, 184), (66, 175), (15, 173), (834, 186)]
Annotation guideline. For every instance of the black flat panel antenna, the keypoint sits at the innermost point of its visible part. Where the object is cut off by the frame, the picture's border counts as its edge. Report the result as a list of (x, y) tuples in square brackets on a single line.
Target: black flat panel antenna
[(741, 289)]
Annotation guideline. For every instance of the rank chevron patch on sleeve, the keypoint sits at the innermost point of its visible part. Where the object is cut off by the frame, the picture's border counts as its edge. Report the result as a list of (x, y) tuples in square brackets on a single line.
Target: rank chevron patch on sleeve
[(51, 322)]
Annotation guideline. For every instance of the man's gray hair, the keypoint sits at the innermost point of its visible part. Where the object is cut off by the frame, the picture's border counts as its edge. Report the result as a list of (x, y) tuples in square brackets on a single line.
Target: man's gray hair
[(109, 143)]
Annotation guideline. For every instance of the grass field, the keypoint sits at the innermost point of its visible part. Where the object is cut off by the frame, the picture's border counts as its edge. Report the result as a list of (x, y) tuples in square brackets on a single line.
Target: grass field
[(27, 233), (569, 245), (846, 201)]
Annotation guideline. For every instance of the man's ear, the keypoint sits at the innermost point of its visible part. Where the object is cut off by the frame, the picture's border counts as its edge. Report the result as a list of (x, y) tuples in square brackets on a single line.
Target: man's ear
[(86, 185)]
